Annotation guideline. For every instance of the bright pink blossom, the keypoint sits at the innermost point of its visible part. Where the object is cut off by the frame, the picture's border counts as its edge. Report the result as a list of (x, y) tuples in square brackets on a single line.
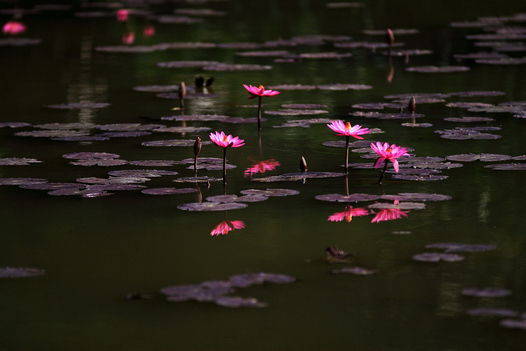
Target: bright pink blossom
[(388, 152), (259, 91), (122, 15), (223, 140), (348, 214), (261, 167), (348, 130), (227, 226), (128, 37), (14, 27), (148, 31)]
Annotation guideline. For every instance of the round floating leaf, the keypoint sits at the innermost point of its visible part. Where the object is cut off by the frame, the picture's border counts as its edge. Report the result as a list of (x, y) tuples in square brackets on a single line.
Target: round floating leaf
[(157, 88), (401, 232), (486, 292), (222, 198), (324, 55), (66, 126), (468, 105), (416, 197), (248, 279), (211, 206), (296, 112), (480, 157), (417, 125), (304, 106), (459, 247), (51, 186), (251, 198), (437, 257), (508, 167), (492, 312), (338, 86), (52, 133), (141, 173), (270, 192), (513, 323), (355, 270), (186, 64), (347, 198), (418, 96), (14, 124), (401, 206), (292, 87), (421, 177), (153, 163), (204, 179), (264, 53), (478, 93), (237, 301), (80, 105), (236, 67), (299, 176), (21, 181), (19, 41), (435, 69), (181, 129), (202, 118), (99, 162), (168, 191), (175, 142), (123, 134), (378, 105), (16, 161), (19, 272)]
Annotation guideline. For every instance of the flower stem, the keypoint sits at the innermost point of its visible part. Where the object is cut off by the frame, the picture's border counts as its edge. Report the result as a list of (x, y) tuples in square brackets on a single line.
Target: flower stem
[(347, 154), (224, 165), (259, 113), (195, 164), (383, 171)]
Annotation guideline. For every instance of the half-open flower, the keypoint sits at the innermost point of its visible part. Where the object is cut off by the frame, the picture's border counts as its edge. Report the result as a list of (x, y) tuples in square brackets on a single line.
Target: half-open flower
[(388, 153), (259, 91), (345, 129), (14, 27), (223, 140)]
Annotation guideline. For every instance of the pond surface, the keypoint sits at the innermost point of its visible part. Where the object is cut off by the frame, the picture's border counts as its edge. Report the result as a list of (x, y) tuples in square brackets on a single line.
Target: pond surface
[(108, 255)]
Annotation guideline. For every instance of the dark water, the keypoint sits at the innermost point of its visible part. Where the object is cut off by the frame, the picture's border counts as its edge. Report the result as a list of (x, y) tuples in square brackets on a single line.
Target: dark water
[(96, 251)]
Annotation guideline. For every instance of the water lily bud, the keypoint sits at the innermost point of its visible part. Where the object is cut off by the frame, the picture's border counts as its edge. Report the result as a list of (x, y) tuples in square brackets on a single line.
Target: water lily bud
[(197, 146), (199, 81), (303, 164), (209, 81), (412, 105)]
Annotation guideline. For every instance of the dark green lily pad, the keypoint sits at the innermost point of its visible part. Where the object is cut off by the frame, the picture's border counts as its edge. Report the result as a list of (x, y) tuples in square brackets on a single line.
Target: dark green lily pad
[(66, 126), (51, 186), (300, 176), (21, 181), (437, 257), (90, 155), (18, 161), (126, 49), (418, 96), (355, 270), (406, 53), (124, 134), (459, 247), (400, 206), (304, 106), (417, 125), (52, 133), (479, 157), (201, 118), (222, 198), (211, 206), (204, 179), (19, 41), (344, 4), (14, 124), (146, 173), (156, 88), (153, 163), (264, 53), (347, 198), (292, 87), (421, 177), (20, 272), (168, 191), (468, 119), (174, 142), (386, 115), (486, 292), (492, 312), (324, 55), (435, 69), (237, 301), (187, 64), (249, 279), (252, 198), (412, 197), (80, 105), (270, 192), (296, 112), (378, 105), (236, 67), (129, 127), (99, 162), (338, 86), (181, 129), (478, 93), (514, 323)]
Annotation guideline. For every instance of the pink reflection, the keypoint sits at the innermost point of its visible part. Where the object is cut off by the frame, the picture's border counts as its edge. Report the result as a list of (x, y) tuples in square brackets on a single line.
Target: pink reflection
[(148, 31), (389, 214), (348, 214), (122, 15), (261, 167), (14, 27), (128, 37), (226, 226)]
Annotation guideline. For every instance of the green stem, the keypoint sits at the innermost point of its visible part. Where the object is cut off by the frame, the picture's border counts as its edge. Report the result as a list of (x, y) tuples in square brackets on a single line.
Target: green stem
[(347, 155), (383, 171), (224, 165), (259, 113)]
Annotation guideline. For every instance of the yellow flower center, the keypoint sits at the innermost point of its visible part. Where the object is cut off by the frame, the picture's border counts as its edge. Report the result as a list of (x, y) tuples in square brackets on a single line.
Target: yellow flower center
[(348, 126), (348, 218)]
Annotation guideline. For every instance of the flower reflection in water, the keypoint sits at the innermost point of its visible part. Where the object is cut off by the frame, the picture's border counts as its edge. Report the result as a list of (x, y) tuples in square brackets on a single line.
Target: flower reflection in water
[(14, 27), (128, 37), (348, 214), (261, 167), (389, 214), (227, 226)]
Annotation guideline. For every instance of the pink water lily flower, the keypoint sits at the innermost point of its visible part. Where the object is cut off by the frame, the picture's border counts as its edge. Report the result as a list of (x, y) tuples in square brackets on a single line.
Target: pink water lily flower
[(345, 129), (14, 27), (122, 15), (259, 91), (388, 153), (348, 214), (227, 226), (223, 140)]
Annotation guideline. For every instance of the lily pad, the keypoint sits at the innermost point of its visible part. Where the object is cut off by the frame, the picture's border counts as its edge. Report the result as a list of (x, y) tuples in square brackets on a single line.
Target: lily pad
[(168, 191), (292, 87), (17, 161), (355, 270), (20, 272), (437, 257), (156, 88), (435, 69), (347, 198), (296, 112), (21, 181), (338, 86), (486, 292), (80, 105), (14, 124), (174, 142), (478, 157), (249, 279), (493, 312), (270, 192), (459, 247), (421, 177), (237, 301), (153, 163), (513, 323), (187, 64), (201, 118), (100, 162), (146, 173), (211, 206), (204, 179), (236, 67), (416, 197), (299, 176), (468, 119), (90, 155), (264, 53), (401, 206)]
